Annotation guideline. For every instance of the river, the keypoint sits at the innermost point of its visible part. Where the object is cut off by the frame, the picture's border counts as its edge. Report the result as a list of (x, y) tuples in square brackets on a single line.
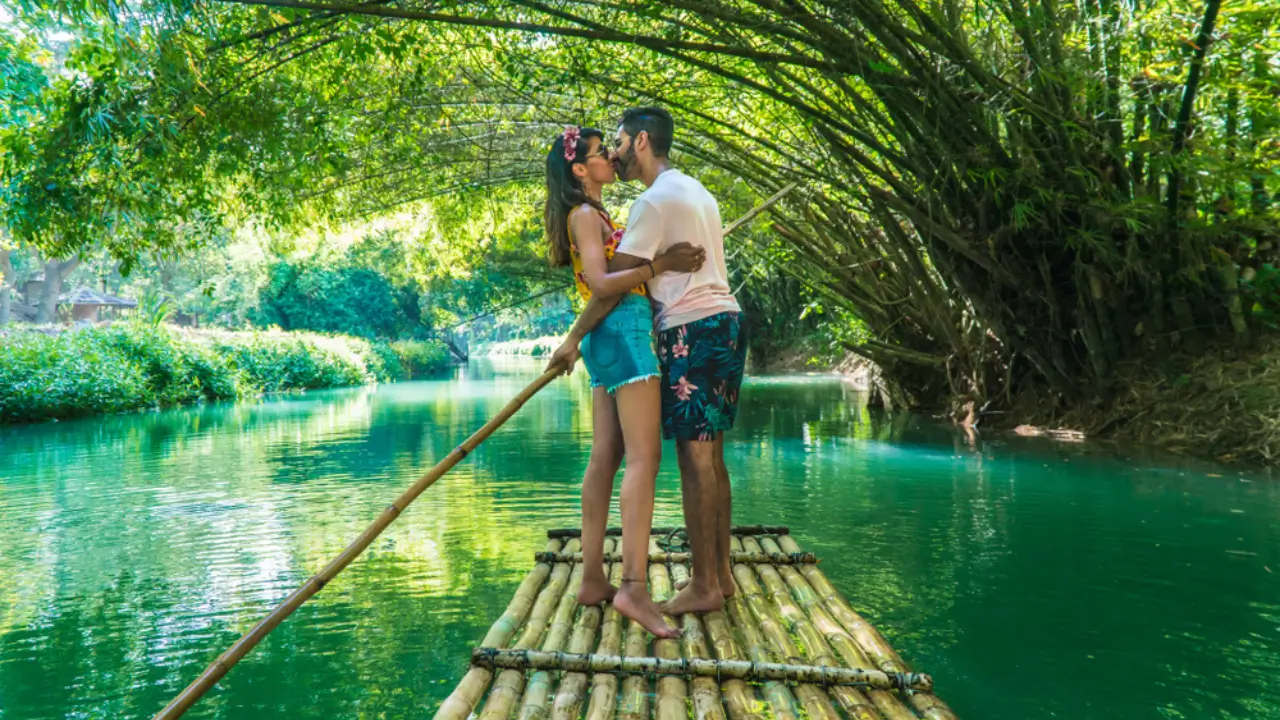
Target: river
[(1031, 579)]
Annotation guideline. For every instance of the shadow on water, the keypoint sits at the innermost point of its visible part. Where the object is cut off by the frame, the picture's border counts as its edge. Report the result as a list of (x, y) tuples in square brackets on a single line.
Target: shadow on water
[(1033, 579)]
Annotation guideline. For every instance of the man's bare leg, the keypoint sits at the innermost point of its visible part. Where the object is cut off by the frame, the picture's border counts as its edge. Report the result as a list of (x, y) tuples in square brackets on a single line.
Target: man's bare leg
[(724, 520), (700, 493), (597, 492), (639, 406)]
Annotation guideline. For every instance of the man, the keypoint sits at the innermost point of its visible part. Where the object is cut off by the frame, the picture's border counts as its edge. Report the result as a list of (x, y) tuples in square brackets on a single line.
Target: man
[(701, 341)]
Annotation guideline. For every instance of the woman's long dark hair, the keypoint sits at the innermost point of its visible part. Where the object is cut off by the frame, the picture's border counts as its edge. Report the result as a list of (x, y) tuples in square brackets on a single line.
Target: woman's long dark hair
[(564, 193)]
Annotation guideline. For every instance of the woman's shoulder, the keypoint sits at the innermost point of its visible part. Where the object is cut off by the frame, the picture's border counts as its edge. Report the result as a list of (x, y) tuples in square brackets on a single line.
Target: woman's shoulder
[(586, 213), (586, 209)]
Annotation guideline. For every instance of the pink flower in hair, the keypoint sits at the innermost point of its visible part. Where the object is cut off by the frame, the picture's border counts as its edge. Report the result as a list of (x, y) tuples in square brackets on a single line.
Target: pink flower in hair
[(571, 135)]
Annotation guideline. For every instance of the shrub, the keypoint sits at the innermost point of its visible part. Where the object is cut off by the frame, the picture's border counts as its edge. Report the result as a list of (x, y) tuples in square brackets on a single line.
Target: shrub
[(421, 357), (133, 366)]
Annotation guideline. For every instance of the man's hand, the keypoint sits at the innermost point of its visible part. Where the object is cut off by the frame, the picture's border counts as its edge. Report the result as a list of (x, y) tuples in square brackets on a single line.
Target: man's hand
[(565, 355)]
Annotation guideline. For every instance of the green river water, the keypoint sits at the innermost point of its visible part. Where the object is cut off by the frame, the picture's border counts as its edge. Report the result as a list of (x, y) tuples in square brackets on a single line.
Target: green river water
[(1032, 579)]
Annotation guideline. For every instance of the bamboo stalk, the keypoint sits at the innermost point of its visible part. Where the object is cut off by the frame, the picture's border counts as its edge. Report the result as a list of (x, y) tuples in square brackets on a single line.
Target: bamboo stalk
[(759, 209), (471, 687), (540, 618), (866, 637), (822, 635), (666, 530), (537, 688), (739, 699), (673, 691), (573, 686), (509, 688), (735, 693), (227, 660), (768, 640), (634, 699), (758, 557), (705, 693), (782, 702), (814, 647), (604, 686)]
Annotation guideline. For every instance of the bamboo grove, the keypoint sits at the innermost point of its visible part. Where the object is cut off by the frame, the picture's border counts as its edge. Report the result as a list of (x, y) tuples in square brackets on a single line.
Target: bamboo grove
[(1015, 196)]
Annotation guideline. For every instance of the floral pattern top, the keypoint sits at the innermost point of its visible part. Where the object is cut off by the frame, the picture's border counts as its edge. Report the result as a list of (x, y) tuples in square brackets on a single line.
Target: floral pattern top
[(610, 248)]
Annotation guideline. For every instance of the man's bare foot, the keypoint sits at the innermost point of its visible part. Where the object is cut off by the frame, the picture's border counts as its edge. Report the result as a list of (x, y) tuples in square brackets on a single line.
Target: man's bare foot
[(694, 599), (595, 591), (727, 587), (633, 601)]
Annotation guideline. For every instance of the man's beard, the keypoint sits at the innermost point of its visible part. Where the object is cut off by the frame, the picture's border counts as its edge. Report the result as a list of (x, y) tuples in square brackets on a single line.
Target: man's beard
[(625, 165)]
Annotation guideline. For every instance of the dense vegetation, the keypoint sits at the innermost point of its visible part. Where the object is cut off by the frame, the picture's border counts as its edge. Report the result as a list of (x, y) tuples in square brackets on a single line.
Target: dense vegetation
[(1011, 204), (134, 366)]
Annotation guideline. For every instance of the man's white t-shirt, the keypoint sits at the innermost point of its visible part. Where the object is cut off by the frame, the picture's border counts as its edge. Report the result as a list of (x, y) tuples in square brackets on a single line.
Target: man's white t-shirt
[(675, 209)]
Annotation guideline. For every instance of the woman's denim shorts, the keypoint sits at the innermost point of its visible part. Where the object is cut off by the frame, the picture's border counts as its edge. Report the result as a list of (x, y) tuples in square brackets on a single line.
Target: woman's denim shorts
[(620, 350)]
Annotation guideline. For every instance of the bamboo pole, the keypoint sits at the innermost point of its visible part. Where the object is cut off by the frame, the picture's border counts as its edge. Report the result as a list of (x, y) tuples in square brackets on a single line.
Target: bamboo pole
[(227, 660), (509, 688), (767, 642), (866, 637), (706, 692), (757, 557), (822, 635), (739, 699), (536, 626), (782, 702), (759, 209), (736, 695), (673, 691), (573, 686), (563, 533), (681, 667), (537, 688), (634, 700), (604, 686), (467, 693)]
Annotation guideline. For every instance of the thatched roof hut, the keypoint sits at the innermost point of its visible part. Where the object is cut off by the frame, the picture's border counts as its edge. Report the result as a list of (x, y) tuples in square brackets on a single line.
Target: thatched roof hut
[(85, 302)]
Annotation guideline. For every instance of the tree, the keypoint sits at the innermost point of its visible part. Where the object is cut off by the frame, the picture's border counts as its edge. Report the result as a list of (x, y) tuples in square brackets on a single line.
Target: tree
[(1012, 197), (55, 271)]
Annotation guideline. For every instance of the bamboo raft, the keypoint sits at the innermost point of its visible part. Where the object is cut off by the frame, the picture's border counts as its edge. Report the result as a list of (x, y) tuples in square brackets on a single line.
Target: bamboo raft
[(787, 646)]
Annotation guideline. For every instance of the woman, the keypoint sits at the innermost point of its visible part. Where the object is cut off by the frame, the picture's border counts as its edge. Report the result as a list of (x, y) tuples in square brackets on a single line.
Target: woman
[(619, 355)]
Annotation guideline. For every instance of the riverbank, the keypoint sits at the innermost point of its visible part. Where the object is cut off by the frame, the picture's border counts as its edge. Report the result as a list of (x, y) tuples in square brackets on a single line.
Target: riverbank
[(52, 374), (1223, 405), (525, 347)]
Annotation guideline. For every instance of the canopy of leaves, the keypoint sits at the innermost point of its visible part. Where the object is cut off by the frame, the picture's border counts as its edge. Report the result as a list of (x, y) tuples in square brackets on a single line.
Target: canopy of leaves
[(1074, 185)]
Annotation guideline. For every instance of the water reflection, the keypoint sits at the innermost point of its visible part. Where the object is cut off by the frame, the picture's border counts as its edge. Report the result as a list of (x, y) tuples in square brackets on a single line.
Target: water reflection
[(1027, 576)]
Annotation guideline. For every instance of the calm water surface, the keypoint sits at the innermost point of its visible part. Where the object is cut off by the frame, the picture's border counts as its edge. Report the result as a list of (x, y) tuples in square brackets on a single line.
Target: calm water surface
[(1032, 580)]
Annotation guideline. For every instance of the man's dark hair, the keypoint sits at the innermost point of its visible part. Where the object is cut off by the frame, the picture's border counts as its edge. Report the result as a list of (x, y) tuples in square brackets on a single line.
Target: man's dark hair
[(653, 120)]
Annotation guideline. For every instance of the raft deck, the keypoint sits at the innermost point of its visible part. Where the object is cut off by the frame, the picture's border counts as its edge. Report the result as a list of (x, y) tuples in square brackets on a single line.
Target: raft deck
[(787, 646)]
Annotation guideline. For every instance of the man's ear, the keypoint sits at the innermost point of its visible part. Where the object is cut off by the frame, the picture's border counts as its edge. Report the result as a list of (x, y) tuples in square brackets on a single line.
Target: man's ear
[(641, 140)]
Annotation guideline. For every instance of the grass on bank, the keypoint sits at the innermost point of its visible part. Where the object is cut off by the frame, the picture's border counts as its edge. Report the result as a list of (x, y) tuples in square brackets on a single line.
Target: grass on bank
[(92, 371)]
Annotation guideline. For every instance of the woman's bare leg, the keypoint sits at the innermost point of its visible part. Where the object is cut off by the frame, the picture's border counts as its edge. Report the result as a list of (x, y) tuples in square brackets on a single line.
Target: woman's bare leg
[(597, 491), (639, 413)]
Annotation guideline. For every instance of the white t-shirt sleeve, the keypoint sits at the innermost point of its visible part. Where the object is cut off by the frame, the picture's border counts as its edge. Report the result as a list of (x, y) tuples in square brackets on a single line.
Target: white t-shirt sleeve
[(643, 237)]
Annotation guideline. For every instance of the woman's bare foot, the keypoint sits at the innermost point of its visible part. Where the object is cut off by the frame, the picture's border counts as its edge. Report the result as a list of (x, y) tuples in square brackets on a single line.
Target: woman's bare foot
[(633, 601), (595, 591), (694, 599)]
